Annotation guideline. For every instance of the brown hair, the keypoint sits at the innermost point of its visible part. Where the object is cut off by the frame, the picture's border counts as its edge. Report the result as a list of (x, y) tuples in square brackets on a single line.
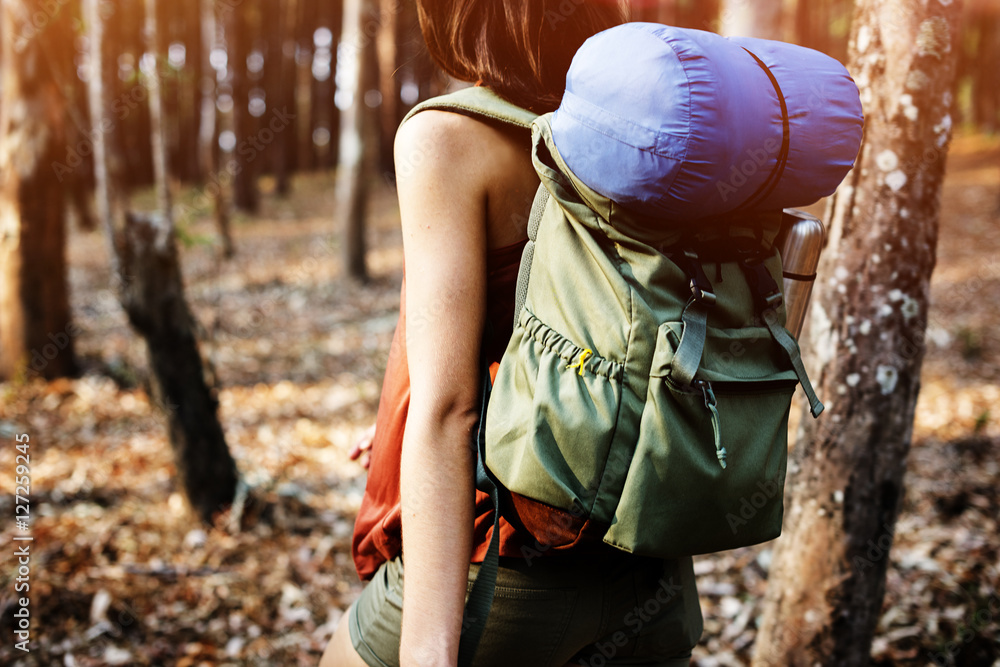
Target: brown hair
[(521, 49)]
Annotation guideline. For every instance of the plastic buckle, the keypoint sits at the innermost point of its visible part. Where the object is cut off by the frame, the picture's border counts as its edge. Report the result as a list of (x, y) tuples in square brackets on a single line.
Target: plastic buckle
[(702, 295), (764, 288), (701, 288)]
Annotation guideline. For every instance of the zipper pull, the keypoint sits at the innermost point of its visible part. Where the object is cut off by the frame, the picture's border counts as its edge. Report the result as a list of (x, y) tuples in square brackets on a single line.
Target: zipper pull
[(710, 403)]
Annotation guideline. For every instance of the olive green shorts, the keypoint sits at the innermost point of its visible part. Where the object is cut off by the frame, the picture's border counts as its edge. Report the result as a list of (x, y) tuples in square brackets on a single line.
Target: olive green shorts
[(596, 610)]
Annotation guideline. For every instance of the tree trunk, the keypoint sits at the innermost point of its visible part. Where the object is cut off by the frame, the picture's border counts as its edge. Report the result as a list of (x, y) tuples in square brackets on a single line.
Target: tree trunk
[(284, 142), (699, 14), (389, 44), (321, 99), (304, 31), (196, 62), (153, 297), (158, 130), (867, 332), (356, 130), (36, 332), (152, 293), (104, 173), (987, 78), (136, 147), (208, 148), (761, 18), (273, 38), (246, 196)]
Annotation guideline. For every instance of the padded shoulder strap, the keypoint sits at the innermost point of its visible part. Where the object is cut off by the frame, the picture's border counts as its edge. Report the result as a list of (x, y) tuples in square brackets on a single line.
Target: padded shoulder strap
[(478, 102), (528, 254)]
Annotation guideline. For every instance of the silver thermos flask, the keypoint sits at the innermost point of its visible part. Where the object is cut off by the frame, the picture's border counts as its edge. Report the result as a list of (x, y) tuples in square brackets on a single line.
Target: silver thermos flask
[(801, 241)]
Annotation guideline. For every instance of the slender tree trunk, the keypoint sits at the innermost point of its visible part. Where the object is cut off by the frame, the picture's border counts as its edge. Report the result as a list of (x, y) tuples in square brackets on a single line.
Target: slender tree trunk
[(272, 33), (827, 582), (246, 196), (411, 52), (321, 107), (161, 170), (702, 15), (356, 130), (987, 80), (304, 30), (125, 156), (103, 126), (760, 18), (389, 42), (426, 72), (669, 13), (136, 148), (208, 136), (284, 142), (336, 14), (196, 62), (36, 332)]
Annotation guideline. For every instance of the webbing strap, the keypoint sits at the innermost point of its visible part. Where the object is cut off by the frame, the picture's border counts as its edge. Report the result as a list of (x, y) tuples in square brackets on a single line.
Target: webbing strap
[(768, 186), (767, 297), (480, 600), (687, 358), (524, 272), (785, 340)]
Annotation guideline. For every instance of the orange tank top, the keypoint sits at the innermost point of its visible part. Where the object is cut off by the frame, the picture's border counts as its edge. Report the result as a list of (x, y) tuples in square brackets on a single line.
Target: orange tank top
[(378, 528)]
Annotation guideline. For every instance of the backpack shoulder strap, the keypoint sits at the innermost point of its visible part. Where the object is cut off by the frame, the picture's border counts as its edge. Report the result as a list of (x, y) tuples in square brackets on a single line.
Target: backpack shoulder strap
[(528, 255), (478, 102)]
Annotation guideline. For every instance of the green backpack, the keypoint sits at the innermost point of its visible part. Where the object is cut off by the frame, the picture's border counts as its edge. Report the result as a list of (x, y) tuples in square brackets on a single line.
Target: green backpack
[(643, 398)]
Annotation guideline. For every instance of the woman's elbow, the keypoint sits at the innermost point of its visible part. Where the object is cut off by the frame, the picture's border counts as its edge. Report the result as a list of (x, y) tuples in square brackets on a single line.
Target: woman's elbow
[(449, 416)]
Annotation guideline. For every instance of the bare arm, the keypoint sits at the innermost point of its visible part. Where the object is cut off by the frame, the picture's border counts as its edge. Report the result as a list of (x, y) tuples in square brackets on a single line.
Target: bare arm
[(443, 209)]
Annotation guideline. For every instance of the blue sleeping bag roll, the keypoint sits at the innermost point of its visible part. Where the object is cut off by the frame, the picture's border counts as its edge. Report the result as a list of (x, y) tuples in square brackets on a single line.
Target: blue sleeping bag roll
[(684, 125)]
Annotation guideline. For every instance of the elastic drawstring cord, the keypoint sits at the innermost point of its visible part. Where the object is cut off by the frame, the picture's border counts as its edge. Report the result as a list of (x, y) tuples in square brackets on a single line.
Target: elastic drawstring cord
[(710, 403), (586, 354)]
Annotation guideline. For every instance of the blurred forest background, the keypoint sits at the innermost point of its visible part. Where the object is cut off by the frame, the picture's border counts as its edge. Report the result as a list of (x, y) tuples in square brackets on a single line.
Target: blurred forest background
[(194, 326)]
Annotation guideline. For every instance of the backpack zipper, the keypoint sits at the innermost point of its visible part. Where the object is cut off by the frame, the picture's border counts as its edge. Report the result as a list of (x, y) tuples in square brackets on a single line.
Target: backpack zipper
[(752, 386)]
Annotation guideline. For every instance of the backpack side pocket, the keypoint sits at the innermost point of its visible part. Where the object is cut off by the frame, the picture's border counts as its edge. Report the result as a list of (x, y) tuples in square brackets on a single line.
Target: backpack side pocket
[(550, 423), (709, 465)]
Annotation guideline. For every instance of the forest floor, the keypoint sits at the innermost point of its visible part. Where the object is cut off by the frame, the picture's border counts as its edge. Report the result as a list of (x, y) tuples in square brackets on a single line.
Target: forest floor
[(120, 574)]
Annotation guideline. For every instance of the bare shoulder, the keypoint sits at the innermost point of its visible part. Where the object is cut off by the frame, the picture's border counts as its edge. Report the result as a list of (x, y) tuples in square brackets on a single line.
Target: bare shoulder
[(467, 161), (439, 135)]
